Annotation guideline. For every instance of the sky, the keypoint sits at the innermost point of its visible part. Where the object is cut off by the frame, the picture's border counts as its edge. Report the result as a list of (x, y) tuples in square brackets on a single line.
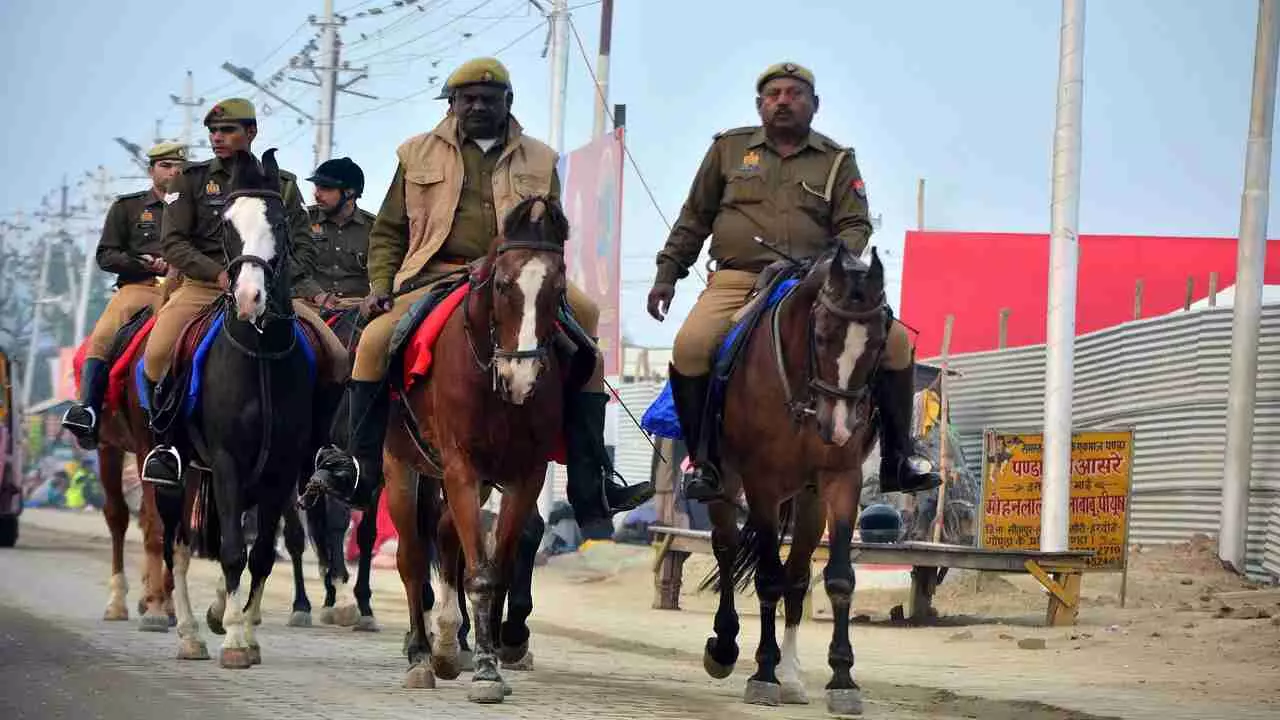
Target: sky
[(960, 93)]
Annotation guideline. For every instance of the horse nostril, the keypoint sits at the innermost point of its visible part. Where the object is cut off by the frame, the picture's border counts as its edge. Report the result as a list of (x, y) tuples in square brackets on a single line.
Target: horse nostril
[(257, 296)]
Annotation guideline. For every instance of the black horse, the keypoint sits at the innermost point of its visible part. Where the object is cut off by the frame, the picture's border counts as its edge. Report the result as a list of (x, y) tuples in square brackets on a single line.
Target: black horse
[(253, 427)]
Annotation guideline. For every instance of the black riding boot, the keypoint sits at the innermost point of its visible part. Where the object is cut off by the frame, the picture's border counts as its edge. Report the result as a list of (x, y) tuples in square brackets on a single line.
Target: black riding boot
[(163, 465), (324, 410), (903, 465), (81, 419), (702, 481), (593, 489), (354, 476)]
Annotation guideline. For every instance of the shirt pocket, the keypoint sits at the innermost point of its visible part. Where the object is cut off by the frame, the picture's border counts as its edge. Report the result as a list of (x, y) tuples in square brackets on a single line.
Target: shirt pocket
[(422, 190), (744, 189), (810, 200), (526, 185)]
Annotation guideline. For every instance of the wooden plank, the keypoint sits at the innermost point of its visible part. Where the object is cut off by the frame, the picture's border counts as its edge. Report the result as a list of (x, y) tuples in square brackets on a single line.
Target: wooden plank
[(1039, 574), (1266, 595), (945, 412), (1062, 614)]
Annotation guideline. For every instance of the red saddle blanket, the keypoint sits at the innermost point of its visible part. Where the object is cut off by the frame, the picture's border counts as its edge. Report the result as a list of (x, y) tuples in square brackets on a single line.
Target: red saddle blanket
[(120, 369), (418, 355)]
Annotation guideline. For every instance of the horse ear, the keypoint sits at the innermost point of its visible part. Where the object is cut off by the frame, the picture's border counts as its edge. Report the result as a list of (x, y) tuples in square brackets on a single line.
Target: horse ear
[(838, 274), (876, 274), (271, 169)]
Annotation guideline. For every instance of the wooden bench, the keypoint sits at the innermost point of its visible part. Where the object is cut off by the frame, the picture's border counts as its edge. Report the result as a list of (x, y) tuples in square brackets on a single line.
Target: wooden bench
[(1060, 573)]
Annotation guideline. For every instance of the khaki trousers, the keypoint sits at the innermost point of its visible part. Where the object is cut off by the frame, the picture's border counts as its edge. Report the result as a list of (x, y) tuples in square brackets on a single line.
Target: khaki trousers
[(126, 301), (372, 351), (193, 296), (714, 314)]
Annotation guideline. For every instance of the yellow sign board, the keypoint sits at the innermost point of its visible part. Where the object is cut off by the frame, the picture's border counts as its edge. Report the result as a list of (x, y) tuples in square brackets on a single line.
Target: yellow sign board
[(1101, 473)]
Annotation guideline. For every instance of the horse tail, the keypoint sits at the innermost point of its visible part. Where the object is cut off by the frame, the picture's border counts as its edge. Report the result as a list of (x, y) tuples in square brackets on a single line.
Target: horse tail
[(206, 539), (747, 559)]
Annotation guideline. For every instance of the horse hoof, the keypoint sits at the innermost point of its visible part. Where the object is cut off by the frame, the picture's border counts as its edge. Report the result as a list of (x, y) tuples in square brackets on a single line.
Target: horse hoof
[(154, 623), (512, 653), (142, 606), (366, 623), (235, 659), (793, 693), (419, 677), (715, 669), (193, 649), (255, 654), (346, 616), (300, 619), (326, 616), (525, 663), (845, 701), (446, 668), (762, 693), (115, 612), (486, 691), (214, 623)]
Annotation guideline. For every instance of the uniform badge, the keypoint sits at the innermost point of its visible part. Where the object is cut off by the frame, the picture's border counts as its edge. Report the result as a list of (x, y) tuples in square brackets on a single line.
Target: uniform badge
[(859, 188), (170, 197), (212, 188), (750, 161), (147, 216), (317, 230)]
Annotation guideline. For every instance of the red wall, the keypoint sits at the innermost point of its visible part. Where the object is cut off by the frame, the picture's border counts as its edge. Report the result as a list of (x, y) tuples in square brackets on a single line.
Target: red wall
[(974, 275)]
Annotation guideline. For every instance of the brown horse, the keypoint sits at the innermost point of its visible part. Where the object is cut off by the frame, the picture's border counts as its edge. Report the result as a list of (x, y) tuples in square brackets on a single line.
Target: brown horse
[(797, 424), (492, 407)]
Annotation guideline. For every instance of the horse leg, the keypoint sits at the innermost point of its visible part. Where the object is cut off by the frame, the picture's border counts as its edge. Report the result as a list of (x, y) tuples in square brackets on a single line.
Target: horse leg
[(763, 687), (487, 576), (413, 526), (366, 535), (232, 555), (841, 495), (805, 538), (721, 652), (444, 657), (261, 559), (156, 617), (174, 509), (338, 519), (295, 542), (514, 633), (116, 512), (318, 528)]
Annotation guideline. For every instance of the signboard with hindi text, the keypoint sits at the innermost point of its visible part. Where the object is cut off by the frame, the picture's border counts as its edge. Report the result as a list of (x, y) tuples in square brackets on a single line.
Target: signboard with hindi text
[(1101, 474)]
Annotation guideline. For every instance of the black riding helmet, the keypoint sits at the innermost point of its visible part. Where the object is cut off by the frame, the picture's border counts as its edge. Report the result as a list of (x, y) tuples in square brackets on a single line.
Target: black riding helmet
[(340, 173), (880, 523)]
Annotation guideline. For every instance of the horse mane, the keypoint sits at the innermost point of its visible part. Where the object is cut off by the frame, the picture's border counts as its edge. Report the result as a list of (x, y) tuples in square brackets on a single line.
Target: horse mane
[(534, 219)]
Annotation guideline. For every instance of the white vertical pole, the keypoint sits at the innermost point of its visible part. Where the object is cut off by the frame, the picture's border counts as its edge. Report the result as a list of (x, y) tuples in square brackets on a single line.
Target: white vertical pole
[(601, 100), (559, 70), (1247, 311), (1063, 251), (328, 84)]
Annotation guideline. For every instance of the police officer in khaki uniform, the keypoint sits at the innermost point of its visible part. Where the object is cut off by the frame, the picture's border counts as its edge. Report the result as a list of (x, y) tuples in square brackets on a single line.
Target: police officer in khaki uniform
[(340, 232), (130, 248), (797, 189), (450, 193), (193, 243)]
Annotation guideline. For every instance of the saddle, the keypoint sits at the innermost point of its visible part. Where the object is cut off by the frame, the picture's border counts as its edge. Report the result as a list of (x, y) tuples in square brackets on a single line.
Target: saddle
[(125, 348), (172, 390)]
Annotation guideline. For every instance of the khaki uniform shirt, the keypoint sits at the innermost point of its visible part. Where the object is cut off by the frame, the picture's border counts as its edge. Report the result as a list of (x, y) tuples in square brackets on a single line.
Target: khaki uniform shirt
[(745, 188), (192, 233), (342, 253), (132, 229)]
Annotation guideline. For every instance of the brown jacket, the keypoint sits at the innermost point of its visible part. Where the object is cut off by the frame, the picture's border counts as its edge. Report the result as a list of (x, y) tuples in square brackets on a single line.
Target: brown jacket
[(418, 212)]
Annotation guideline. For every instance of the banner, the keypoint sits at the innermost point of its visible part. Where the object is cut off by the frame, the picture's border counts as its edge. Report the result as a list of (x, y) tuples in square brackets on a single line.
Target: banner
[(1101, 472), (591, 193)]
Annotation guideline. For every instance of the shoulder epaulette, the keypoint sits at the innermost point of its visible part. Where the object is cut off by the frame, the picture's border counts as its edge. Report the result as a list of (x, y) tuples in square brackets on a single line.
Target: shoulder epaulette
[(197, 165), (132, 195), (745, 130)]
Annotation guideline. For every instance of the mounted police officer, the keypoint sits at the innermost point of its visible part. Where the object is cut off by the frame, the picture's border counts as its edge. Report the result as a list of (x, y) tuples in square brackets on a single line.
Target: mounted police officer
[(451, 190), (130, 248), (340, 232), (796, 188), (193, 243)]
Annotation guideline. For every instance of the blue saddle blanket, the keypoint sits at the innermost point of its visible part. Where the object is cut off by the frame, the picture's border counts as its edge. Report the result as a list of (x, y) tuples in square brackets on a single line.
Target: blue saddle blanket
[(191, 398), (661, 418)]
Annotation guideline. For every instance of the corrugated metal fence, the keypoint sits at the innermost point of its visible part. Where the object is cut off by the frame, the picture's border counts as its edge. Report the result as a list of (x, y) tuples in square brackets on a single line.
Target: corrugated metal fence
[(1167, 378)]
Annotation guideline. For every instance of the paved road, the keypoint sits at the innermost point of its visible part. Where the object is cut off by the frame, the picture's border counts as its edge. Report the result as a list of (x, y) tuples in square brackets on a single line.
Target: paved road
[(58, 659)]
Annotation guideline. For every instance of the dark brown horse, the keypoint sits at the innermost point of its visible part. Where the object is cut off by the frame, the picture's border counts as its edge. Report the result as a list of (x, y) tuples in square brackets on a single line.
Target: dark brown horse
[(492, 406), (798, 423)]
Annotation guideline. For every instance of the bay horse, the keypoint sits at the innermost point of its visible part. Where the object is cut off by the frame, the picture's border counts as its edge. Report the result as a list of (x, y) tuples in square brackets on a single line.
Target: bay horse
[(492, 408), (797, 423), (253, 427)]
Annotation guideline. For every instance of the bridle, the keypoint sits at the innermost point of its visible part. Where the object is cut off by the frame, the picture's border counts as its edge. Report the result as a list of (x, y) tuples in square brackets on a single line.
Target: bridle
[(495, 352), (802, 407), (268, 267)]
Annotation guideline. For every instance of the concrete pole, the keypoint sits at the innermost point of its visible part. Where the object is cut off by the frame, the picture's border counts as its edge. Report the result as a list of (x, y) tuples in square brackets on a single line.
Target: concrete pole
[(559, 70), (1246, 314), (328, 71), (602, 68), (33, 342), (1055, 489)]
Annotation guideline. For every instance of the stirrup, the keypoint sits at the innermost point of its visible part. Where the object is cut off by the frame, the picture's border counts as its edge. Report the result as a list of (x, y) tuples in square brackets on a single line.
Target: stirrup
[(156, 453), (704, 479)]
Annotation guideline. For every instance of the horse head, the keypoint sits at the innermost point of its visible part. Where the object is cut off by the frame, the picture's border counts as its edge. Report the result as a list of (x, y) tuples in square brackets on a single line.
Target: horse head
[(255, 214), (525, 272), (847, 336)]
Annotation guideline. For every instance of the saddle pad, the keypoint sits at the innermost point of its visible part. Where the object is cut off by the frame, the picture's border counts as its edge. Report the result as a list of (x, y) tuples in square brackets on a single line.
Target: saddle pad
[(661, 419), (417, 352), (125, 348), (120, 369), (192, 399), (407, 325)]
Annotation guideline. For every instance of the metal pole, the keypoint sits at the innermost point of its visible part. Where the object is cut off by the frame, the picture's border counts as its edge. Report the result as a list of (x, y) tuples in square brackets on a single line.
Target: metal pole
[(559, 70), (1063, 250), (1246, 315), (602, 67), (188, 112), (29, 369), (328, 71), (90, 262)]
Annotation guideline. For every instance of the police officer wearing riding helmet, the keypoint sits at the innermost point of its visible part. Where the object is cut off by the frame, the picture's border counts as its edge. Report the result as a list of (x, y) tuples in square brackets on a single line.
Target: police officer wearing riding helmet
[(340, 231)]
